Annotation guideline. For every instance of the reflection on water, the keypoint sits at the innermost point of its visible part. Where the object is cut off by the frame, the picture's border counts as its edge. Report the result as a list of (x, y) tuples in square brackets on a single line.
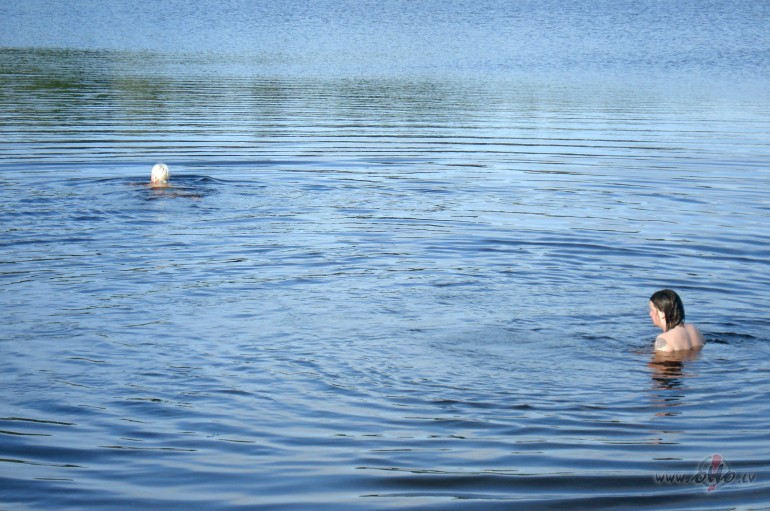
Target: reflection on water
[(403, 263), (668, 369)]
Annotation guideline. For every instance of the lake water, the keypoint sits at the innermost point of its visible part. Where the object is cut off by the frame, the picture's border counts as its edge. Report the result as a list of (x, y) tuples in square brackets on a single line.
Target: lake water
[(404, 263)]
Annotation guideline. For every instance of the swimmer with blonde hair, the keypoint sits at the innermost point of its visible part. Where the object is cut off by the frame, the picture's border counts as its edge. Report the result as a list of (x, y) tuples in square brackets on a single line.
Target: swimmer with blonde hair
[(667, 313), (159, 175)]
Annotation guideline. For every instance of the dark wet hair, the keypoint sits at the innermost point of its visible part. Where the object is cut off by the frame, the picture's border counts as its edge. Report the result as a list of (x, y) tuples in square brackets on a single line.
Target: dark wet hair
[(671, 305)]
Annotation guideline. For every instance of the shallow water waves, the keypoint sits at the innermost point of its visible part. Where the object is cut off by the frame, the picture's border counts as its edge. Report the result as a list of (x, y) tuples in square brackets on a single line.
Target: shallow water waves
[(412, 291)]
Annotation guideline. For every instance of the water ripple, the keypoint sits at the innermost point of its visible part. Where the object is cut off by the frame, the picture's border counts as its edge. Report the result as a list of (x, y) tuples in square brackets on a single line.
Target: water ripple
[(383, 289)]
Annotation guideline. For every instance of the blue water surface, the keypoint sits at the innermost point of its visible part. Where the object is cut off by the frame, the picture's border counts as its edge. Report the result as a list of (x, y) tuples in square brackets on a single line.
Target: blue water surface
[(404, 260)]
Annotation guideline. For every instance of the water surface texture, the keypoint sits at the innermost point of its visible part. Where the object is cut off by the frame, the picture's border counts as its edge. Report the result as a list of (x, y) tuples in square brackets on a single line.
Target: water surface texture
[(404, 262)]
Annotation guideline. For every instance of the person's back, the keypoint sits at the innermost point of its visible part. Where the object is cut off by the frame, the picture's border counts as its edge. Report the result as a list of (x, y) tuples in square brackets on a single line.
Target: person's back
[(682, 337)]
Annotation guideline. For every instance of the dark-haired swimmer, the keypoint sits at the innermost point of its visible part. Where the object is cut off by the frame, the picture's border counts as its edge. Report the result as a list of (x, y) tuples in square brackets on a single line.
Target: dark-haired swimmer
[(667, 313)]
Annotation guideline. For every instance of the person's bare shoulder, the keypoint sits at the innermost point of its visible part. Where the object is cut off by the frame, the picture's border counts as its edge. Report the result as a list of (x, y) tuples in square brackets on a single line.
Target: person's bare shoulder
[(661, 344)]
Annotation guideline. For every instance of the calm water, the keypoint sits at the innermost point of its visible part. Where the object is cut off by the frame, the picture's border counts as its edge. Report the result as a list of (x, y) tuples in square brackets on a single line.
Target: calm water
[(404, 263)]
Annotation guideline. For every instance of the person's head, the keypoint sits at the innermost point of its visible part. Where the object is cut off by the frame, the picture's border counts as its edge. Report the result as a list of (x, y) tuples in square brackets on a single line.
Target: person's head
[(666, 309), (159, 175)]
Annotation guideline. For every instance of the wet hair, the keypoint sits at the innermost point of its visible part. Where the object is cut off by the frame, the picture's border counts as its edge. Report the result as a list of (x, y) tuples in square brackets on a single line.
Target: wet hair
[(671, 305)]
